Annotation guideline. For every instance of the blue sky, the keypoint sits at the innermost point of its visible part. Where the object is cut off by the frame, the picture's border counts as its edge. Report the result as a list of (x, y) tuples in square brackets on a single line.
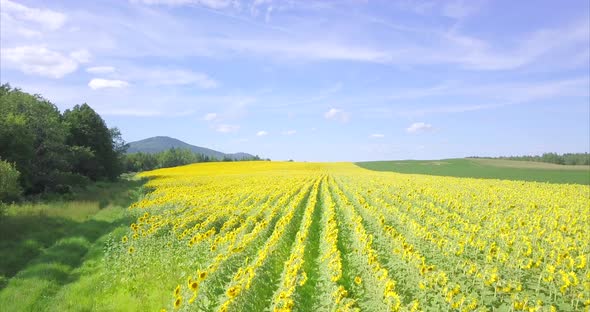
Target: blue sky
[(315, 80)]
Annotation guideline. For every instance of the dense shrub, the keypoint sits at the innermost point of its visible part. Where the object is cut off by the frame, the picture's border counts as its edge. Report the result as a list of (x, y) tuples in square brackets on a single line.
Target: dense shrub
[(10, 189)]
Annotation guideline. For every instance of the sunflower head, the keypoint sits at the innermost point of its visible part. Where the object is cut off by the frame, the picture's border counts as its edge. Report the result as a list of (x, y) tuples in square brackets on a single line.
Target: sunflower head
[(233, 291), (358, 280), (202, 275)]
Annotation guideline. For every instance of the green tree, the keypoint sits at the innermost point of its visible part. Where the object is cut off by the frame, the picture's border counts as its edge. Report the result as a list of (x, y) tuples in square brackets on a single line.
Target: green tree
[(102, 147), (33, 138), (10, 189)]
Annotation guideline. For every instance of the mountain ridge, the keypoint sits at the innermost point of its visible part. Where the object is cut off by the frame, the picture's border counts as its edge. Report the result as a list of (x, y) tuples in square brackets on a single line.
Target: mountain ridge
[(157, 144)]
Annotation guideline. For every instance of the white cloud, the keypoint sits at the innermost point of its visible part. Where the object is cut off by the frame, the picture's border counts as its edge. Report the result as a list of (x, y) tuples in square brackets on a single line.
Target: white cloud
[(224, 128), (261, 133), (337, 114), (48, 19), (98, 83), (100, 69), (38, 60), (210, 116), (377, 136), (332, 113), (289, 132), (418, 127), (82, 56)]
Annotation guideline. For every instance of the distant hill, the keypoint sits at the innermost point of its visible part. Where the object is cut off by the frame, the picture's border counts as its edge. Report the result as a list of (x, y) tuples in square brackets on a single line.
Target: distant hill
[(162, 143)]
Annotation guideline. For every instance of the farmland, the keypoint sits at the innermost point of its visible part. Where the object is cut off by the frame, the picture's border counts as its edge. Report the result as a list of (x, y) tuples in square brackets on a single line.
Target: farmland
[(327, 236), (488, 169)]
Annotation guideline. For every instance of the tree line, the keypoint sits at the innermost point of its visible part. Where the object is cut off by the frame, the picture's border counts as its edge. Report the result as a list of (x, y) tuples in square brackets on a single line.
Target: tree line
[(554, 158), (172, 157), (44, 150)]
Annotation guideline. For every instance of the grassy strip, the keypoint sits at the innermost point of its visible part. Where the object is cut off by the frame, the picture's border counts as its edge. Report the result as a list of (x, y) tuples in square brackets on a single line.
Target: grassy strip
[(35, 286), (29, 228), (308, 294)]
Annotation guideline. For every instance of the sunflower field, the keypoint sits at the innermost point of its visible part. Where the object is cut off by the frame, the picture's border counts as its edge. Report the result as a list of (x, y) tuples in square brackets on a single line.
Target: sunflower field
[(274, 236)]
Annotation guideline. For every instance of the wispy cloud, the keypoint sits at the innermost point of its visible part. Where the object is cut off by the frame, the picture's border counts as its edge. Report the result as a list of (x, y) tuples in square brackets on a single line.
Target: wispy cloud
[(214, 4), (461, 8), (448, 109), (161, 76), (210, 116), (320, 95), (131, 112), (289, 132), (81, 55), (337, 114), (427, 47), (100, 69), (43, 18), (419, 127), (494, 95), (376, 136), (261, 133), (225, 128)]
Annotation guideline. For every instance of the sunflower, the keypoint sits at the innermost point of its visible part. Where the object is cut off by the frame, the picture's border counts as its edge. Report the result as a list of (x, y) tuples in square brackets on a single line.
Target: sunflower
[(124, 239), (177, 290), (194, 286), (202, 275), (390, 289), (358, 280), (131, 250), (177, 302), (233, 291)]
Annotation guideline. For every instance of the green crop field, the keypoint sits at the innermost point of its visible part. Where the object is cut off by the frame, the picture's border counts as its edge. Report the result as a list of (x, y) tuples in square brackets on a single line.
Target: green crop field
[(487, 168)]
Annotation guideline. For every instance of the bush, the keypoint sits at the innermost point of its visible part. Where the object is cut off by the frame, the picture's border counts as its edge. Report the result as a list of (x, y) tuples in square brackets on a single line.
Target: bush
[(10, 189)]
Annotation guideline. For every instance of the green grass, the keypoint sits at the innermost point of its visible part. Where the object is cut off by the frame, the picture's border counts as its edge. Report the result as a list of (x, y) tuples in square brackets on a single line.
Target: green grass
[(487, 169), (51, 245)]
